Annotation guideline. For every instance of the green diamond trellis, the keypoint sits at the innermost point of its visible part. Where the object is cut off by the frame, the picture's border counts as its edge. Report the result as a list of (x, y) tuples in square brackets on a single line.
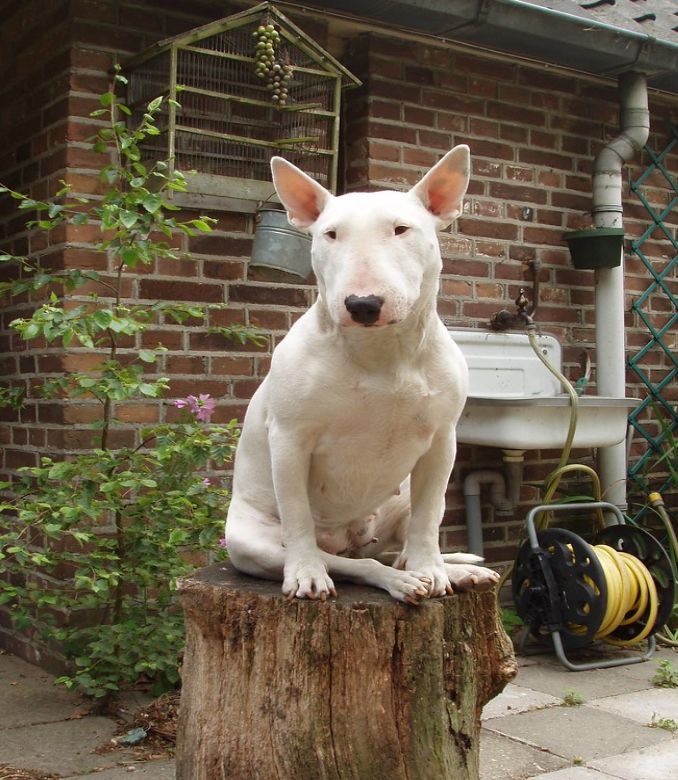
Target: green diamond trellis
[(655, 363)]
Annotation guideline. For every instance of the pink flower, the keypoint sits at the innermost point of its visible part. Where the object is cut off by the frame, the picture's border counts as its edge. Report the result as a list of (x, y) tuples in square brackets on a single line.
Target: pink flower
[(201, 407), (206, 482), (222, 543)]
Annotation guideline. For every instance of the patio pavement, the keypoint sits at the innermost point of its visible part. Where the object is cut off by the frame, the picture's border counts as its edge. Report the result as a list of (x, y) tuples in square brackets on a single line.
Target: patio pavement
[(527, 730)]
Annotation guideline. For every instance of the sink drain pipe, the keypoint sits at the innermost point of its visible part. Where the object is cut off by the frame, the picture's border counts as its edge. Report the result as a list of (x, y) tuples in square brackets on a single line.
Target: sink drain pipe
[(634, 122), (504, 495)]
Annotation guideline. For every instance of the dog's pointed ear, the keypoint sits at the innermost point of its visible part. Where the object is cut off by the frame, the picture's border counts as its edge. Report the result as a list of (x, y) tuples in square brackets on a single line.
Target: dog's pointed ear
[(303, 198), (443, 188)]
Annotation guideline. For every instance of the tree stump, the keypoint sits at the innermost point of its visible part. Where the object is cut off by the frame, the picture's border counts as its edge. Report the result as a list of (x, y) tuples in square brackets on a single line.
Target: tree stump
[(357, 688)]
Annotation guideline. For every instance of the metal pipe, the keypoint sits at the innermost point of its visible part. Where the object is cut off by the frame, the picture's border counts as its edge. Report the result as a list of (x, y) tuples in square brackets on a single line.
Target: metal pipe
[(504, 495), (609, 282)]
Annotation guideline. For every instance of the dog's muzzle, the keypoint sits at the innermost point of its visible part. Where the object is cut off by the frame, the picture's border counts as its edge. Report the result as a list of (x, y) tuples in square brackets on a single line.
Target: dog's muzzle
[(364, 310)]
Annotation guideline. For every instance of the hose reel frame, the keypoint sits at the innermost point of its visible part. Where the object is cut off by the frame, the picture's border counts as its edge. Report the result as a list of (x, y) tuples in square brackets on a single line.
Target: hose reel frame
[(560, 589)]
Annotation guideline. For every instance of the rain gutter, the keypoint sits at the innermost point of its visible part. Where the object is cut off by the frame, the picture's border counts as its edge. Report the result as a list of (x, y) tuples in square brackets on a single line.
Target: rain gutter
[(523, 29)]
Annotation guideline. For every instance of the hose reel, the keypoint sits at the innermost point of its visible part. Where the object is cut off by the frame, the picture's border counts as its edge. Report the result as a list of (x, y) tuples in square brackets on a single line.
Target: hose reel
[(620, 589)]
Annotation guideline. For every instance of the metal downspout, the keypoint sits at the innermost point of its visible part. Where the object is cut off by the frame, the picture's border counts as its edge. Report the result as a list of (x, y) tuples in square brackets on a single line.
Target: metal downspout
[(609, 282)]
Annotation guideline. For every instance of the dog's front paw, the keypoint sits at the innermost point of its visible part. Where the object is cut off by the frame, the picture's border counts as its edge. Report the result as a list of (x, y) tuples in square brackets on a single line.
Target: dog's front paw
[(430, 569), (308, 580), (466, 576), (408, 586)]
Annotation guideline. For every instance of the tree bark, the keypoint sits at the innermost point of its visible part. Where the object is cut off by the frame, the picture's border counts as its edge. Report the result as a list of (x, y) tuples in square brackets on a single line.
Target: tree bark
[(358, 688)]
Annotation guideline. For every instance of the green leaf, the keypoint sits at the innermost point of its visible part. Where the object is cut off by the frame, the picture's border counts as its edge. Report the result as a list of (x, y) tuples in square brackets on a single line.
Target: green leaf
[(103, 318), (149, 390), (152, 202), (154, 105), (178, 536), (107, 99), (130, 256), (129, 218), (148, 356), (201, 225), (32, 330)]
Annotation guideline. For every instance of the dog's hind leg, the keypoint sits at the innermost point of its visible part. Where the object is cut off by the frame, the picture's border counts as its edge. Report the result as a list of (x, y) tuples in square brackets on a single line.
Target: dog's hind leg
[(254, 543), (468, 576), (255, 546)]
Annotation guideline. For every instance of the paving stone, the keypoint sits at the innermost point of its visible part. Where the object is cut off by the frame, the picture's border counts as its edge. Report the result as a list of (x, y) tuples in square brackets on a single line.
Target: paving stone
[(502, 758), (578, 732), (640, 706), (650, 763), (514, 699), (548, 675), (578, 773), (65, 748), (147, 770), (28, 695)]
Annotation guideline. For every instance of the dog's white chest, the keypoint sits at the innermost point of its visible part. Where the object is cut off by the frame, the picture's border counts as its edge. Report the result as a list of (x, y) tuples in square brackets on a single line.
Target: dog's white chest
[(370, 445)]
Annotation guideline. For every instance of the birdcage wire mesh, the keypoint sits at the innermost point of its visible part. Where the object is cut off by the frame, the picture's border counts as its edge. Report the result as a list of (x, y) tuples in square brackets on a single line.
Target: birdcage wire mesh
[(227, 122)]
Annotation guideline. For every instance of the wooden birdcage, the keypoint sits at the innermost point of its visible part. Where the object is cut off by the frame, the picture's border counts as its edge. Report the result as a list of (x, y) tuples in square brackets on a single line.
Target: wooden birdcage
[(242, 89)]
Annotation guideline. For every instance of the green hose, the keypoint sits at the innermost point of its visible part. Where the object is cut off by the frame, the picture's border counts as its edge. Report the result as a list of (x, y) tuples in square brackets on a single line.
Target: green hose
[(657, 503), (553, 479)]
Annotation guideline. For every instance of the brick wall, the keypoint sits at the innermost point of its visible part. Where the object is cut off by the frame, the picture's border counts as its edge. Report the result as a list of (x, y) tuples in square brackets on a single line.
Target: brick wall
[(533, 133)]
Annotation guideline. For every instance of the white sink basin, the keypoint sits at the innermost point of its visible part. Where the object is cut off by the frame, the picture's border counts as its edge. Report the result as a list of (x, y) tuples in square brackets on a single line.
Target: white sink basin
[(516, 403), (542, 422)]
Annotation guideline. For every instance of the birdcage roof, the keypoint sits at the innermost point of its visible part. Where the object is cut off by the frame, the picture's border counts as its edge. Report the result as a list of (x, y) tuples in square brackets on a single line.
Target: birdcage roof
[(300, 38)]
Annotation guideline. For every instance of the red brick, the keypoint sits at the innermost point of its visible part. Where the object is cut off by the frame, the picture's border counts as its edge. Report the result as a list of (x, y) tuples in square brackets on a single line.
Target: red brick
[(277, 296), (485, 67), (455, 123), (394, 48), (488, 229), (484, 127), (232, 366), (518, 114), (272, 319), (490, 249), (546, 159), (414, 115), (404, 135), (381, 109), (224, 246), (384, 152), (458, 104), (495, 151), (179, 290), (224, 270), (515, 192), (423, 158)]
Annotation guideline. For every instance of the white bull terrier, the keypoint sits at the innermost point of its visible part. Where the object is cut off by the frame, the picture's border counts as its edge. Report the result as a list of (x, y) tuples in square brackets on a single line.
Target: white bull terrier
[(348, 444)]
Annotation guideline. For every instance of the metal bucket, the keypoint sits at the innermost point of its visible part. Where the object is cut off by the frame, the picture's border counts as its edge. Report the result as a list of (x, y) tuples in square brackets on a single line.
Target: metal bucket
[(280, 246)]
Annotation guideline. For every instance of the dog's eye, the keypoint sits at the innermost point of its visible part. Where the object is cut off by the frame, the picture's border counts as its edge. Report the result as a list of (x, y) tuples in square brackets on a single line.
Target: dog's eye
[(400, 229), (331, 234)]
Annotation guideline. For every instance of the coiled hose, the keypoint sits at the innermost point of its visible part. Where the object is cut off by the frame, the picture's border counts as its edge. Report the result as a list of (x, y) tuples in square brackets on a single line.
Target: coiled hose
[(630, 585)]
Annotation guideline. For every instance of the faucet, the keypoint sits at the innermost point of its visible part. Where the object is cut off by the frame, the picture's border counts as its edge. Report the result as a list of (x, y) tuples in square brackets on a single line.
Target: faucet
[(504, 319)]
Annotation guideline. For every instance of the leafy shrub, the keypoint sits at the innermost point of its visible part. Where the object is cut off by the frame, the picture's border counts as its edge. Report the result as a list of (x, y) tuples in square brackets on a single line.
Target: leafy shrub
[(93, 543)]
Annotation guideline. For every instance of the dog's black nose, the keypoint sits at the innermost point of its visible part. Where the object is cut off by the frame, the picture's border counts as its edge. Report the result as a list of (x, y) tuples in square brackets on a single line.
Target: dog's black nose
[(364, 310)]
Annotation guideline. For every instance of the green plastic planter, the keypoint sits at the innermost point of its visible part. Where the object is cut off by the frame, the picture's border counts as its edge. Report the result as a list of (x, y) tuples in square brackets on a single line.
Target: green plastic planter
[(596, 248)]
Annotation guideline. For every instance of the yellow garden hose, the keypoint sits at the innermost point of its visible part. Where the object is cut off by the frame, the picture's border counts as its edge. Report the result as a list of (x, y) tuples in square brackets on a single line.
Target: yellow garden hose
[(630, 589)]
